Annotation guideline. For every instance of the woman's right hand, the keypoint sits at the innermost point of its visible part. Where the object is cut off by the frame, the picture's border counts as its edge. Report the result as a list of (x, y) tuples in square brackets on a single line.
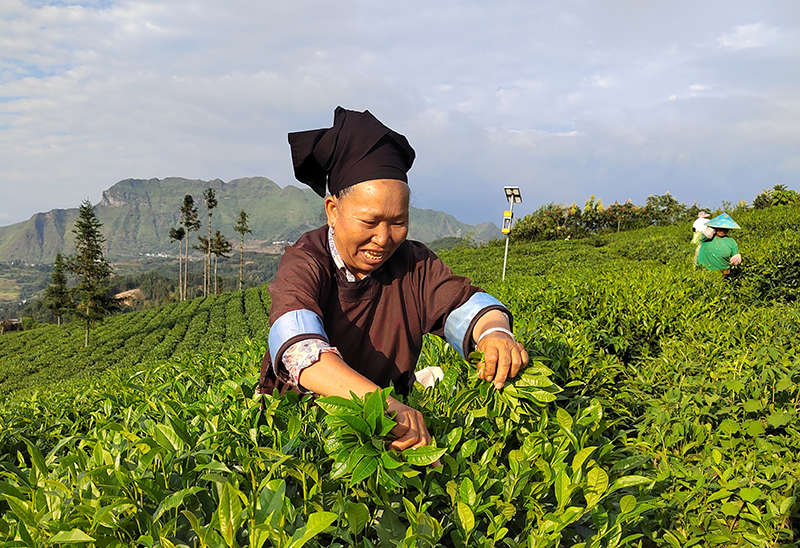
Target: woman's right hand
[(410, 430)]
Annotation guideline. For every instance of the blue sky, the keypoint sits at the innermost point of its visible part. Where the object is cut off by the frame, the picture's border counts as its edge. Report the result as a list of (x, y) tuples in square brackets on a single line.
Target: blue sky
[(620, 99)]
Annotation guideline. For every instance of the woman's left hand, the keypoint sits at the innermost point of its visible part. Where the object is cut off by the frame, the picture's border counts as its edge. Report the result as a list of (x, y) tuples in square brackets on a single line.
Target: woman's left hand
[(502, 358)]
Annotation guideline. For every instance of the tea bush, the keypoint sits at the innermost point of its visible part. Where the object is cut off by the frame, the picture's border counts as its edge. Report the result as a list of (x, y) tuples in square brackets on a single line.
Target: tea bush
[(659, 409)]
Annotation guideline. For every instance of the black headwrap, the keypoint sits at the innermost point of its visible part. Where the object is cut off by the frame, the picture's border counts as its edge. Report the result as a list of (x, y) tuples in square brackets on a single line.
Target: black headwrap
[(357, 148)]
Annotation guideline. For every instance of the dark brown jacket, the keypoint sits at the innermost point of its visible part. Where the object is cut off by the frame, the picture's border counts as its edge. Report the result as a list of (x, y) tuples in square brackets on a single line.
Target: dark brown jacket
[(377, 323)]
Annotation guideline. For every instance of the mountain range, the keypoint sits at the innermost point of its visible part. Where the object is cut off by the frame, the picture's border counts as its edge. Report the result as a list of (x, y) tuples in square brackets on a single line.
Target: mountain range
[(137, 215)]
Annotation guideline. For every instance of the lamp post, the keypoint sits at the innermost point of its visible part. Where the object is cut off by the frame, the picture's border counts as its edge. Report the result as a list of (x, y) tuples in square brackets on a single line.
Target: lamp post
[(514, 197)]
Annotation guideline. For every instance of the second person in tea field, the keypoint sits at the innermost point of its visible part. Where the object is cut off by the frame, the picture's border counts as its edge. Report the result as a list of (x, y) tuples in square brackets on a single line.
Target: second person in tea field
[(718, 251), (352, 299)]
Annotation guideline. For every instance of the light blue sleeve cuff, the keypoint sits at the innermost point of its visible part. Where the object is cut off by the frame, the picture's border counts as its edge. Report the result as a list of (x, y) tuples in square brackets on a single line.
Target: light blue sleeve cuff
[(459, 320), (292, 324)]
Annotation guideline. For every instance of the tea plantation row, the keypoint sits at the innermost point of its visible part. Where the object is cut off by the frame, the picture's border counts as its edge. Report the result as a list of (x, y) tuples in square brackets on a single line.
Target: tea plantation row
[(660, 410), (47, 356)]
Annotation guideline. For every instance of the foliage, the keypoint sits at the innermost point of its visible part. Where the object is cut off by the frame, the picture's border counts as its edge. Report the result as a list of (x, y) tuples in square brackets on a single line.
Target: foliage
[(177, 235), (777, 195), (171, 455), (57, 296), (191, 223), (155, 277), (770, 246), (199, 463), (664, 210), (659, 410), (219, 247), (92, 270), (549, 222), (210, 198), (242, 227), (557, 222), (443, 244)]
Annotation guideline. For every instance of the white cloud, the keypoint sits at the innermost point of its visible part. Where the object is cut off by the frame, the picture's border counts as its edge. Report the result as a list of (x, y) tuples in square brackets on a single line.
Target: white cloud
[(749, 36), (567, 100), (600, 81)]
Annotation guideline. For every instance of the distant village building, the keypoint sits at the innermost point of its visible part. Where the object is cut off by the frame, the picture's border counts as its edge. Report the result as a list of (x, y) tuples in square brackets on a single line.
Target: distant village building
[(130, 297), (11, 324)]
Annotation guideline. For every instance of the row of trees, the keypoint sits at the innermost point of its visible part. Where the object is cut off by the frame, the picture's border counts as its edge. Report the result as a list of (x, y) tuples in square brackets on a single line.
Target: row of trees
[(215, 246), (90, 299), (554, 221)]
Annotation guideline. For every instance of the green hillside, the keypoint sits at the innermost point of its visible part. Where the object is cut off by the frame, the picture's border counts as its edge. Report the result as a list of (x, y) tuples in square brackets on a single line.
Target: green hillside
[(137, 215), (659, 410)]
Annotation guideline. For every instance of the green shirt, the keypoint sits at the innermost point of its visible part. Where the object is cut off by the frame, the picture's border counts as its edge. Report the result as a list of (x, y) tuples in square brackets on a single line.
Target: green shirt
[(715, 253)]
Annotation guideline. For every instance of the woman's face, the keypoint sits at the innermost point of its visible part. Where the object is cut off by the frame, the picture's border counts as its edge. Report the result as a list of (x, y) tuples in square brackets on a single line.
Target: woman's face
[(370, 221)]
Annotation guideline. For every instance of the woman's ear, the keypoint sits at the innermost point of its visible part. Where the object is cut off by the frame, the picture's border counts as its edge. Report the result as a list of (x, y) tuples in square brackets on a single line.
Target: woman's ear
[(331, 209)]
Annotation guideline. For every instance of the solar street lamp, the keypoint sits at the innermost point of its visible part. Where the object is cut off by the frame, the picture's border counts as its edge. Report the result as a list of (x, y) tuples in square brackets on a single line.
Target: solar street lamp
[(514, 197)]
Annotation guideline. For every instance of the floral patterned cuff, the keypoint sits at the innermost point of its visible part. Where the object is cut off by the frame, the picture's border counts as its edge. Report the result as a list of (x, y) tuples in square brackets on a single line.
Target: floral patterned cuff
[(300, 355)]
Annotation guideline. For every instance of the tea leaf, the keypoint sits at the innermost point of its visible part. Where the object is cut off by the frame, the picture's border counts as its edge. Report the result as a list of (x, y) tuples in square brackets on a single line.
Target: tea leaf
[(750, 494), (467, 492), (338, 406), (423, 456), (317, 522), (373, 409), (71, 537), (453, 437), (357, 517), (542, 396), (359, 425), (37, 458), (175, 500), (468, 447), (364, 469), (596, 486), (21, 510), (389, 462), (630, 463), (563, 489), (229, 512), (627, 504), (786, 504), (581, 456), (465, 517), (167, 437), (628, 481), (719, 495)]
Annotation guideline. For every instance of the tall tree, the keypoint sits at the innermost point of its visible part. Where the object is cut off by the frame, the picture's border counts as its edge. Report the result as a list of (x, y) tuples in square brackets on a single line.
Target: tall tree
[(219, 247), (56, 295), (205, 249), (177, 235), (92, 270), (191, 222), (242, 227), (211, 202)]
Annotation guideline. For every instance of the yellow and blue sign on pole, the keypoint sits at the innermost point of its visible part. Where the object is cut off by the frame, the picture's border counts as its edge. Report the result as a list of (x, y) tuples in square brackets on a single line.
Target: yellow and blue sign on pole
[(508, 216), (514, 197)]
